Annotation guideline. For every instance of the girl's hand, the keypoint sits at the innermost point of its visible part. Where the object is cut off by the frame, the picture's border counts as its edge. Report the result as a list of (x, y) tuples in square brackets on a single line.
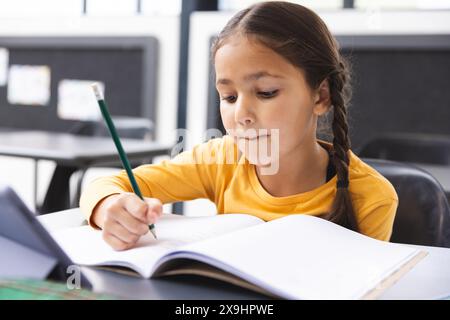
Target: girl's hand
[(124, 218)]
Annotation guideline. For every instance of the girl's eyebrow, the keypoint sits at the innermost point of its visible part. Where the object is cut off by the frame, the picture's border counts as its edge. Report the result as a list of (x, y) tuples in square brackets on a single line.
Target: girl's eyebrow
[(250, 77)]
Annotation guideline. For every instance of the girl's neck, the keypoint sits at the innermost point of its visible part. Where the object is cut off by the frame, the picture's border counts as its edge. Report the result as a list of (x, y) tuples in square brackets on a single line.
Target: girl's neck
[(302, 170)]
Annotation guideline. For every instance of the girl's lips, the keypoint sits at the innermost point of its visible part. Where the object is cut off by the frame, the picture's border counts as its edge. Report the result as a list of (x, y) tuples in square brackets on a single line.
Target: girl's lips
[(253, 138)]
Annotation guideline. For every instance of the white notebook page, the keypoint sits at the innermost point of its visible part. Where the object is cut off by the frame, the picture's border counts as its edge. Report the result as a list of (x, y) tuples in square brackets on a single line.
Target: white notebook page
[(303, 257), (85, 245)]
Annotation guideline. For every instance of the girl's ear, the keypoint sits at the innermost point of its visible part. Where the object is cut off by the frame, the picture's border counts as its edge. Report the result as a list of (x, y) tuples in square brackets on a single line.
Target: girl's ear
[(322, 99)]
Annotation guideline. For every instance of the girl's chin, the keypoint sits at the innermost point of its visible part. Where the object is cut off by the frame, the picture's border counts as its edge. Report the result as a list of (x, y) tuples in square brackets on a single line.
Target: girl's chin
[(258, 161)]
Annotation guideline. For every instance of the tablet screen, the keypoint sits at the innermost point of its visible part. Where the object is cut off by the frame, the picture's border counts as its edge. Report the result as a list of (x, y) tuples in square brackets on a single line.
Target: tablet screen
[(19, 224)]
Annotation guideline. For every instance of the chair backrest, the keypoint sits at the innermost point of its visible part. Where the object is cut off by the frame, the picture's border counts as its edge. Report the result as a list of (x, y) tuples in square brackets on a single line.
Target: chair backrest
[(423, 214), (409, 147)]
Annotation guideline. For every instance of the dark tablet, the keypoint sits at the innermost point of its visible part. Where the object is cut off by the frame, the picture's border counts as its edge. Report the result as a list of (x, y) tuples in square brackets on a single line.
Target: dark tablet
[(19, 224)]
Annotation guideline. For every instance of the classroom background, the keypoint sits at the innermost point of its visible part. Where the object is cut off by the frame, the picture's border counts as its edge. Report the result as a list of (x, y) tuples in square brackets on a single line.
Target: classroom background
[(152, 60)]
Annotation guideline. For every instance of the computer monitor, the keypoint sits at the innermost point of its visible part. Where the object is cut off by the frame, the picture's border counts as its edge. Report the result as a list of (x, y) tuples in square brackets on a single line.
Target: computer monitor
[(127, 66), (400, 84)]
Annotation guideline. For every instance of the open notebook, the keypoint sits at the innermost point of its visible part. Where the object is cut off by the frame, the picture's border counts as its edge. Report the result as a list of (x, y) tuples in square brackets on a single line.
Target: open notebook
[(295, 257)]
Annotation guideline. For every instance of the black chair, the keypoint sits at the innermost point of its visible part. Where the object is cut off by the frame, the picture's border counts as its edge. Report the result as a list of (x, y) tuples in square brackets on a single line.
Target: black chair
[(409, 147), (423, 214), (423, 148)]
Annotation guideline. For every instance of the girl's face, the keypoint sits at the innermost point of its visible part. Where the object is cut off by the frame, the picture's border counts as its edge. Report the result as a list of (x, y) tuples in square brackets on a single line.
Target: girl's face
[(259, 89)]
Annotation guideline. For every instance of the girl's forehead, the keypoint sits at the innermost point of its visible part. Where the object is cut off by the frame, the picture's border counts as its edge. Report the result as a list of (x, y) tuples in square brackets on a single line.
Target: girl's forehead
[(241, 55), (243, 45)]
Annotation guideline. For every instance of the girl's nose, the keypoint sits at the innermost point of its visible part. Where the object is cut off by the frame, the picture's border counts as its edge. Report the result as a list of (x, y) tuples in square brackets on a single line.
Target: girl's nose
[(243, 115), (246, 120)]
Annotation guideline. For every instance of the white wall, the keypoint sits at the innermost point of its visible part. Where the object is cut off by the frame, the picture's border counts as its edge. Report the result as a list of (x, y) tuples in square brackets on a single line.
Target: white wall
[(58, 8)]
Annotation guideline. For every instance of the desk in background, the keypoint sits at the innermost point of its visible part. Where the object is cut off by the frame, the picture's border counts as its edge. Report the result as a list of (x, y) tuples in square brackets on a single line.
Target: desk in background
[(430, 279), (72, 153)]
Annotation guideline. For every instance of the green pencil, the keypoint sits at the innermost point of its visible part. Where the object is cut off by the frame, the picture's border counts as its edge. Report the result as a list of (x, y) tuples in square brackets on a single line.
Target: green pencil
[(123, 156)]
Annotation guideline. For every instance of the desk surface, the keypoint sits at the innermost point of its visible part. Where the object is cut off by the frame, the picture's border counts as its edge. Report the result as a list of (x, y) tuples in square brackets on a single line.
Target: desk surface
[(72, 149), (430, 279)]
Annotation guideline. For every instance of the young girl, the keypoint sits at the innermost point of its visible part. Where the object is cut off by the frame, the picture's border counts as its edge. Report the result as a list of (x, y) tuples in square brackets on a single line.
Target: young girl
[(278, 70)]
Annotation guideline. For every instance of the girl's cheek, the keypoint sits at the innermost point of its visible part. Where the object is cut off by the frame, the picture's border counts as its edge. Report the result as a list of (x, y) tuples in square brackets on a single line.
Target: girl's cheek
[(227, 118)]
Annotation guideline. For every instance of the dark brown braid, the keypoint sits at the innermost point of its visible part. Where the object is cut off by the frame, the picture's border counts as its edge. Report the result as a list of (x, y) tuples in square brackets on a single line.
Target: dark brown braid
[(342, 209), (302, 38)]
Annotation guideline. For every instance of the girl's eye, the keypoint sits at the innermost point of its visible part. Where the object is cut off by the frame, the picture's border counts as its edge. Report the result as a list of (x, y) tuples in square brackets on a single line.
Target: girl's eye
[(230, 99), (267, 94)]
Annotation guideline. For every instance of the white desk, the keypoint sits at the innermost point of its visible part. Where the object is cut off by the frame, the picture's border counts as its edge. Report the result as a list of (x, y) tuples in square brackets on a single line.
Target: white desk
[(430, 279)]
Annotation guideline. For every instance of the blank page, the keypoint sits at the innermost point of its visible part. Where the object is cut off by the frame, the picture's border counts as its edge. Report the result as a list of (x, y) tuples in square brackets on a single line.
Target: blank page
[(303, 257)]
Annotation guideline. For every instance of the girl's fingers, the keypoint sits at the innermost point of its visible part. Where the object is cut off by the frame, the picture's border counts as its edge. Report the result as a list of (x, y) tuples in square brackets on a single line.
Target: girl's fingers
[(117, 230), (135, 206), (134, 214), (126, 218), (114, 242), (131, 223), (154, 209)]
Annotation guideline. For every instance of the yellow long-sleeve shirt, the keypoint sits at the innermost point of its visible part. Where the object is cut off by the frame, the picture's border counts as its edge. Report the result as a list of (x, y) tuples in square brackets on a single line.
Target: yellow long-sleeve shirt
[(215, 171)]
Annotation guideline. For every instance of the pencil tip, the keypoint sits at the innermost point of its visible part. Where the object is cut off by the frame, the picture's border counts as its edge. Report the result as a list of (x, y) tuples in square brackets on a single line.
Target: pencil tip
[(154, 233)]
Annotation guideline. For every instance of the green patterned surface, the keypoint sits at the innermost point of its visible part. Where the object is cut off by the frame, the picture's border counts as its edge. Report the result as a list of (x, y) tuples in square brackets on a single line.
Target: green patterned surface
[(45, 290)]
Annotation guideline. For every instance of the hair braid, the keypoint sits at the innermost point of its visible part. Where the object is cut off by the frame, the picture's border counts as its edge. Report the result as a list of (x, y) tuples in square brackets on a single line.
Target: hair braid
[(342, 209)]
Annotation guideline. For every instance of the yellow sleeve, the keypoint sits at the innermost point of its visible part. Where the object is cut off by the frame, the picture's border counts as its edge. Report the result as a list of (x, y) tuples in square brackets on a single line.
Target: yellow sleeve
[(189, 175), (378, 219)]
